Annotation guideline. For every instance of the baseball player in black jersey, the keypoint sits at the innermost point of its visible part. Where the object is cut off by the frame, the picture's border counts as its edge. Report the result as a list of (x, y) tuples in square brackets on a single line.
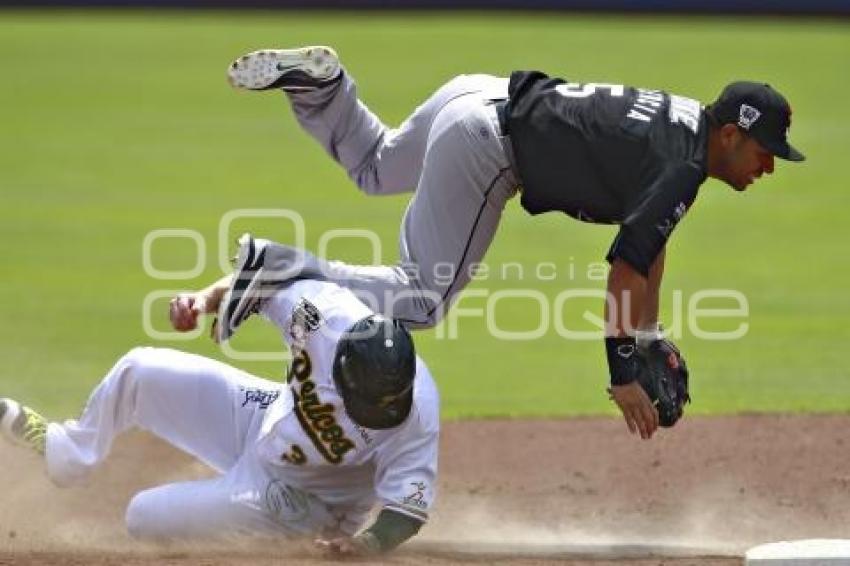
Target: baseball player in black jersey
[(601, 153)]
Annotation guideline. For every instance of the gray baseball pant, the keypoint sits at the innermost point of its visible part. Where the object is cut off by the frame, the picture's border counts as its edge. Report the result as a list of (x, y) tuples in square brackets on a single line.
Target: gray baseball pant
[(451, 154)]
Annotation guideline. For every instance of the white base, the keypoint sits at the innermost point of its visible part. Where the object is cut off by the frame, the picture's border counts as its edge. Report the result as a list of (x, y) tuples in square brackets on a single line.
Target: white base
[(812, 552)]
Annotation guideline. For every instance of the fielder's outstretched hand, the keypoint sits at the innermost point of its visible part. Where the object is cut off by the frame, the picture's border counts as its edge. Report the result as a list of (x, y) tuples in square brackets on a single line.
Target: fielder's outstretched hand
[(641, 416), (183, 311)]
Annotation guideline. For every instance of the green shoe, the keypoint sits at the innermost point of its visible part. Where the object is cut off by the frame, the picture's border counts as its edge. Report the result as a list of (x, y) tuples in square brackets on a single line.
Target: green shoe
[(22, 426)]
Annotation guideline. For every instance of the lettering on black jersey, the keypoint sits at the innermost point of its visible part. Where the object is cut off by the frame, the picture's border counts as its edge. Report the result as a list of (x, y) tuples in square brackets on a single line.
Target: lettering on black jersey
[(642, 111), (685, 111), (316, 418), (579, 90), (667, 225), (646, 105)]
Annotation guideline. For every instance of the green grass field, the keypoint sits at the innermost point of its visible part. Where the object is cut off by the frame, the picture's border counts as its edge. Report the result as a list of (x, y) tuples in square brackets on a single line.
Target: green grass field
[(116, 124)]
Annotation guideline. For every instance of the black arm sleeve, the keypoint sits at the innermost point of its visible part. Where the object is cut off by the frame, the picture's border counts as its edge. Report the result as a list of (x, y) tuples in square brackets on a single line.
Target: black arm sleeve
[(648, 226), (389, 530)]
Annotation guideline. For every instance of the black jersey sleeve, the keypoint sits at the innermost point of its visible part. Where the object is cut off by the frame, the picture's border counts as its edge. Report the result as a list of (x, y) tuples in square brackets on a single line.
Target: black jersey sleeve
[(646, 229)]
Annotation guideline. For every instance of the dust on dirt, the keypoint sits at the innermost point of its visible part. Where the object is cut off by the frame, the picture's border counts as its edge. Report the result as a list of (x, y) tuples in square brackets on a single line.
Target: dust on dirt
[(560, 491)]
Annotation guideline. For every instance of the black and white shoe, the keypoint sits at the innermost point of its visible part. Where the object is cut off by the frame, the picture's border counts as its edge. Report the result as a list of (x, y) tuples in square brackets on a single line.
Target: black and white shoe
[(293, 70), (245, 296)]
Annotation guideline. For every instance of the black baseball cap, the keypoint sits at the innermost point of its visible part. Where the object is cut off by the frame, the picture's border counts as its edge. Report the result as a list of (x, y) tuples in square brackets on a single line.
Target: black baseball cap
[(759, 110)]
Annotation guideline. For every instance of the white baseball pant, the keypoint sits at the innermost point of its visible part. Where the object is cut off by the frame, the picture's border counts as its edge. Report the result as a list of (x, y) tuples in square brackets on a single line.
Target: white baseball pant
[(200, 406)]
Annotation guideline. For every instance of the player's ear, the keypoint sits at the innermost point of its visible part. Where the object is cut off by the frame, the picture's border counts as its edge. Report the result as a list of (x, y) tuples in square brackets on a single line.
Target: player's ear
[(730, 136)]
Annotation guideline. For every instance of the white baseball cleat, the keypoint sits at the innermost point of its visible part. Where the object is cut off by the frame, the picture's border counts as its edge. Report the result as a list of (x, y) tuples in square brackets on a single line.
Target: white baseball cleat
[(293, 70), (22, 426)]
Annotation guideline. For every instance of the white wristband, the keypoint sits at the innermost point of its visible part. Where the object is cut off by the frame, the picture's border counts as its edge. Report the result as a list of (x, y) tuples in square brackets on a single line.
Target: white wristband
[(647, 336)]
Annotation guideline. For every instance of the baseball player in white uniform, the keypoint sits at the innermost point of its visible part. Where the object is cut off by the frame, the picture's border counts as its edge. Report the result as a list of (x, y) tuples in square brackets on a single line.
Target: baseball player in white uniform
[(355, 426)]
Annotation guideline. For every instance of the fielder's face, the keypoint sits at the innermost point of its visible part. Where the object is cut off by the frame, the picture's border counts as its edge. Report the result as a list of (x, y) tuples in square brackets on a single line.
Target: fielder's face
[(743, 160)]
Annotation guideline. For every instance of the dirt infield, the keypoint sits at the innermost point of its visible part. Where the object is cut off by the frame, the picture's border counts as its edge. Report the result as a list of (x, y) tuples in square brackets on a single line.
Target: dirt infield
[(579, 491)]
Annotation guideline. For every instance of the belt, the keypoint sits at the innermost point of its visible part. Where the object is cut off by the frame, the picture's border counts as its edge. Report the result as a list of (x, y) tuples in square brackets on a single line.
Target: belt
[(502, 108)]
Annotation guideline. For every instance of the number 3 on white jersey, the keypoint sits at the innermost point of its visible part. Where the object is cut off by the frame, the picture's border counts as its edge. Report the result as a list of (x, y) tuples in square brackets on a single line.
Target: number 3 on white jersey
[(578, 90)]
